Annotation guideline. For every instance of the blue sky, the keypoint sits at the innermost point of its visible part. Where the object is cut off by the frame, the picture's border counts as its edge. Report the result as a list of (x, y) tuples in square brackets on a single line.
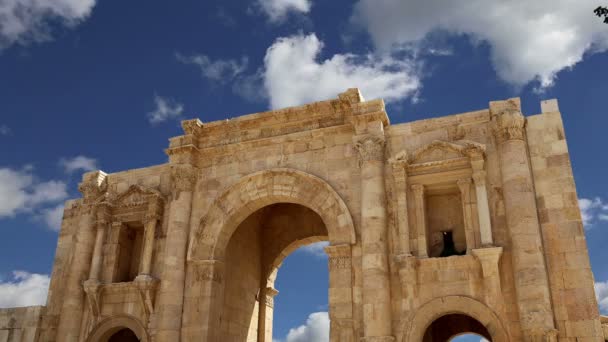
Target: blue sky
[(88, 84)]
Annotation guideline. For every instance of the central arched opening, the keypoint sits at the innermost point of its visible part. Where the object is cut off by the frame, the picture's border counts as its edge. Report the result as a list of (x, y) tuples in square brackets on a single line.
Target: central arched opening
[(123, 335), (254, 253), (457, 328)]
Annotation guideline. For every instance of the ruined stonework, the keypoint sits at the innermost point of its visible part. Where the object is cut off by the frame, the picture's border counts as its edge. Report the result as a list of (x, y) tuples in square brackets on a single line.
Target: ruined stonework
[(464, 223)]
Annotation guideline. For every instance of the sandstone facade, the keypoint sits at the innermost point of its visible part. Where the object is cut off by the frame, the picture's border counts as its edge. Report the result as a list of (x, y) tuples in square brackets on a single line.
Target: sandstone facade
[(465, 223)]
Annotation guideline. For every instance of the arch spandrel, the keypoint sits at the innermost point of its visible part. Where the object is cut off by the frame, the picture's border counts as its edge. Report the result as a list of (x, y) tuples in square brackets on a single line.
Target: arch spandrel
[(257, 190), (415, 327)]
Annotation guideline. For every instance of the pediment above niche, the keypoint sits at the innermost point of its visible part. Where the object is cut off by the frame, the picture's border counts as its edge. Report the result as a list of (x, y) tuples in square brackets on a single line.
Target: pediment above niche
[(436, 151), (136, 195)]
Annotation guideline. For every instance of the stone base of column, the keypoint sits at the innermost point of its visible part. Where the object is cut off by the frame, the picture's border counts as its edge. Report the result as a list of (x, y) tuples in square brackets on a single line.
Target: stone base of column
[(378, 339)]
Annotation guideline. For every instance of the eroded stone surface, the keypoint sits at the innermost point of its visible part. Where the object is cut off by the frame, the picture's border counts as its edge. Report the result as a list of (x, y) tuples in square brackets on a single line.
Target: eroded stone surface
[(468, 222)]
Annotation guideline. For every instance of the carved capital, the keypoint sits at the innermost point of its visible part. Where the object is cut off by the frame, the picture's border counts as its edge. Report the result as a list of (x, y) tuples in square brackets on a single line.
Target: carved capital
[(93, 185), (508, 125), (479, 177), (183, 177), (102, 214), (370, 148), (418, 189)]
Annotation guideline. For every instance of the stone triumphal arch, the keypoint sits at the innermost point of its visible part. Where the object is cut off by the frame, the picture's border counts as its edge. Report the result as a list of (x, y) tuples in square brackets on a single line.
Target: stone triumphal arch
[(467, 223)]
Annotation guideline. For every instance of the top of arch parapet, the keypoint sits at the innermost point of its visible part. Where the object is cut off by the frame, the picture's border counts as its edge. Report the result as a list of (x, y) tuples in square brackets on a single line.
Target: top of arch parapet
[(348, 107)]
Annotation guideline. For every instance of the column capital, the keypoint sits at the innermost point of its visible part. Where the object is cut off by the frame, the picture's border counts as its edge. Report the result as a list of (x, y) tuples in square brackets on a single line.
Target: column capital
[(479, 177), (463, 182), (102, 214), (508, 125), (418, 189), (342, 250), (369, 147), (183, 177)]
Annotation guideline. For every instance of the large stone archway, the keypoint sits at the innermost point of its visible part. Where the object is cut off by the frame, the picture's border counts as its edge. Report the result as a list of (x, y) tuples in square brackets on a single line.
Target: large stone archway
[(110, 325), (415, 329), (205, 281)]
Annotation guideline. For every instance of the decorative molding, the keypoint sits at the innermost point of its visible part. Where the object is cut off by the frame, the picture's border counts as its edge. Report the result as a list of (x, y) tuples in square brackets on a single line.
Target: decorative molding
[(146, 286), (508, 125), (338, 263), (370, 148), (192, 127), (400, 160), (209, 270), (92, 289)]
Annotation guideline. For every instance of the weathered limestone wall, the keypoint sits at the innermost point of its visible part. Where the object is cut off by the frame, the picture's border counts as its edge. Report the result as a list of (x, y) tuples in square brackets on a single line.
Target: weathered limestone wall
[(20, 324), (569, 270)]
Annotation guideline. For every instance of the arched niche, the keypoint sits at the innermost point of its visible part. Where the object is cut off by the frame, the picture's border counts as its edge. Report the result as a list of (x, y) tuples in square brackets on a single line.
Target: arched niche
[(109, 326)]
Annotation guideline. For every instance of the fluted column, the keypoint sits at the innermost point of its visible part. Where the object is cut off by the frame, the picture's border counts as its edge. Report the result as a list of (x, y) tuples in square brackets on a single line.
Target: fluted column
[(151, 221), (531, 282), (377, 318), (68, 330), (399, 165), (419, 203), (171, 298), (465, 195)]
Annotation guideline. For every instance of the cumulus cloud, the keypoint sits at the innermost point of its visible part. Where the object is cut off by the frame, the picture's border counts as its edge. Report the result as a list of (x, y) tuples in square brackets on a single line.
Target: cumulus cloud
[(316, 249), (24, 289), (601, 293), (20, 191), (222, 71), (592, 210), (529, 40), (293, 75), (316, 329), (25, 21), (278, 10), (78, 163), (166, 109), (52, 217)]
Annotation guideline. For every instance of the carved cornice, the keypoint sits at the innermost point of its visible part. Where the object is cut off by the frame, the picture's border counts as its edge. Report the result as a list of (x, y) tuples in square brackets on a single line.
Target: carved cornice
[(192, 126), (508, 125), (93, 185), (370, 148), (183, 177)]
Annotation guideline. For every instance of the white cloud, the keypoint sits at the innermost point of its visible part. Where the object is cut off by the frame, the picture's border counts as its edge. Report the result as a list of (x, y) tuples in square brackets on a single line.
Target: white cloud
[(166, 109), (294, 76), (316, 249), (78, 163), (316, 329), (529, 40), (24, 289), (222, 71), (20, 191), (593, 210), (24, 21), (52, 217), (278, 10), (4, 130), (601, 293)]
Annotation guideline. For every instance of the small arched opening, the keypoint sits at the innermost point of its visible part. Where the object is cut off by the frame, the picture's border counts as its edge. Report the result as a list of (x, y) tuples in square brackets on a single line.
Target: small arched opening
[(447, 328), (119, 328), (123, 335)]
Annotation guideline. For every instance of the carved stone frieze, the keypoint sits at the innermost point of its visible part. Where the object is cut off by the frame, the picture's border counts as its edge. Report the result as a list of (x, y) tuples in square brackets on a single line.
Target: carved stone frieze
[(370, 148), (339, 262)]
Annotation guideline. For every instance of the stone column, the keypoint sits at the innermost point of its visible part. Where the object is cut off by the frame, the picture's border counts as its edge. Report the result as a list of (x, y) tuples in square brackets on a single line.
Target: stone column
[(399, 165), (419, 203), (68, 330), (483, 209), (377, 318), (265, 315), (465, 194), (339, 262), (151, 221), (103, 215), (171, 298), (531, 283)]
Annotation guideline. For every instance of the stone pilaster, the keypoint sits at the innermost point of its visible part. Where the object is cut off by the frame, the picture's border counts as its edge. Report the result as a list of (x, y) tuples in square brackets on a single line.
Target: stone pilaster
[(419, 203), (465, 194), (150, 222), (203, 305), (171, 298), (92, 187), (399, 165), (489, 258), (407, 279), (377, 318), (340, 292), (481, 192), (266, 308), (530, 272)]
